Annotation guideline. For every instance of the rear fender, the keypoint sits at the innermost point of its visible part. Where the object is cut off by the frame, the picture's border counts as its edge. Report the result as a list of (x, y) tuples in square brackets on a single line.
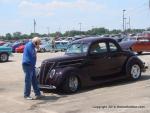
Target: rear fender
[(135, 59), (4, 53)]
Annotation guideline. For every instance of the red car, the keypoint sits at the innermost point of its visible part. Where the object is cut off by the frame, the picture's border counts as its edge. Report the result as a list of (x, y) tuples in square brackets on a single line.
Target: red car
[(139, 45), (19, 49), (2, 43)]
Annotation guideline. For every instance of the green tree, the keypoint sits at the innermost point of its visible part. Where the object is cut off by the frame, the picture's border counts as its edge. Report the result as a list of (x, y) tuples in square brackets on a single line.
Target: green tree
[(98, 31), (73, 33), (16, 35), (115, 31), (8, 36)]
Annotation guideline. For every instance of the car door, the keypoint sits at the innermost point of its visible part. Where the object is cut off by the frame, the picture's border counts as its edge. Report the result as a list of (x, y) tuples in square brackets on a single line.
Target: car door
[(116, 58), (98, 59)]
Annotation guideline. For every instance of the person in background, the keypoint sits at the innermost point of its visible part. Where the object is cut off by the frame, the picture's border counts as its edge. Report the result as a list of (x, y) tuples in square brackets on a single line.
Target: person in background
[(28, 65), (53, 44)]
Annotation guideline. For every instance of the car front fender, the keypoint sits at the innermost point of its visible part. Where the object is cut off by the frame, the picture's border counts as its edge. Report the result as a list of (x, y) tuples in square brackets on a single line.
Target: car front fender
[(62, 73)]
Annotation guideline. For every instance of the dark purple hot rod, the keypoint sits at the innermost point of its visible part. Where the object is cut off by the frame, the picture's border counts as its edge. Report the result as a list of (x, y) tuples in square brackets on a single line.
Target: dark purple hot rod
[(87, 62)]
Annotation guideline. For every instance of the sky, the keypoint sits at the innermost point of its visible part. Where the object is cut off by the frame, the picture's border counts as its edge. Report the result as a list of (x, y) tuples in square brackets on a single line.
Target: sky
[(65, 15)]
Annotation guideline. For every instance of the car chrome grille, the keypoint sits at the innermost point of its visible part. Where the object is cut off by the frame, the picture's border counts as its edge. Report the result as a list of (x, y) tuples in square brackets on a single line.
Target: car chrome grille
[(45, 67)]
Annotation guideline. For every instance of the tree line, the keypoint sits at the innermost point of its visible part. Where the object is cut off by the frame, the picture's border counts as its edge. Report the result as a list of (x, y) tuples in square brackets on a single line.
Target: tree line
[(92, 32)]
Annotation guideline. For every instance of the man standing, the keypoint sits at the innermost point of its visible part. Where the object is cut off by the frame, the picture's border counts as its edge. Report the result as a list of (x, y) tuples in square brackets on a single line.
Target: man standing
[(28, 65)]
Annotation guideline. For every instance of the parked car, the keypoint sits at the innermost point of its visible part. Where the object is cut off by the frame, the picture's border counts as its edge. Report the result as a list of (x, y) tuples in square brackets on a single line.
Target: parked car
[(20, 49), (58, 46), (45, 47), (138, 45), (5, 52), (61, 45), (8, 44), (87, 62), (15, 45), (2, 43)]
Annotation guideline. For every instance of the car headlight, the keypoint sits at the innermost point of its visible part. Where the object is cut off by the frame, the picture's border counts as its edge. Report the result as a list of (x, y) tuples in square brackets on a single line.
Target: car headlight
[(37, 71), (52, 73)]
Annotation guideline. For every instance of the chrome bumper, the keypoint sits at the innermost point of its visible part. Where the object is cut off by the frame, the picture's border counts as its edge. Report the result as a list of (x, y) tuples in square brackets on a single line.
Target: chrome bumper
[(145, 68), (47, 87)]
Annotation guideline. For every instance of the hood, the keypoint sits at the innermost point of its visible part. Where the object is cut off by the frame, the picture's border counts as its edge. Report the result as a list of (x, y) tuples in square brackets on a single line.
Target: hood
[(66, 58), (5, 48), (127, 44)]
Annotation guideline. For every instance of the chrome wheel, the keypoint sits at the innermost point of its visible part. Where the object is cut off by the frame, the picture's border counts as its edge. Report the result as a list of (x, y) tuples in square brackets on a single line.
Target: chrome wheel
[(73, 83), (135, 71), (3, 57)]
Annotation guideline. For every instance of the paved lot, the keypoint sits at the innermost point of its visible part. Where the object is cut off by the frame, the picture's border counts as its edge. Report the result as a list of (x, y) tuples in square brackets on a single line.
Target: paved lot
[(116, 97)]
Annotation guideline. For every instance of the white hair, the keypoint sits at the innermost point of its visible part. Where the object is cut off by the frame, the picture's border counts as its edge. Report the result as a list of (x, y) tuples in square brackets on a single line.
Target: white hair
[(36, 39)]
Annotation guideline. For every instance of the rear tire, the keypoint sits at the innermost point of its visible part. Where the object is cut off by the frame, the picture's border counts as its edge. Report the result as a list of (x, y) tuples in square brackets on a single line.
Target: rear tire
[(133, 70)]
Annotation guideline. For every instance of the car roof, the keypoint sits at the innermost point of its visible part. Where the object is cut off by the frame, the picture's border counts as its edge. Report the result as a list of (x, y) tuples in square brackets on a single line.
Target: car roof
[(92, 39)]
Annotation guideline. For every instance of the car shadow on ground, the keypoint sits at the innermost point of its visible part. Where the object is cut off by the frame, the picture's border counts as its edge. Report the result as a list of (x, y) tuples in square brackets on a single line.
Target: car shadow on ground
[(120, 82), (48, 98), (52, 98), (8, 61), (54, 95), (143, 54), (102, 85)]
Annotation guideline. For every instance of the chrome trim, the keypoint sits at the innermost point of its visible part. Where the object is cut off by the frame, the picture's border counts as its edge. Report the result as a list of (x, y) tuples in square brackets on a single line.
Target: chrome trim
[(43, 73), (145, 68), (70, 64), (44, 68), (70, 61), (49, 70), (47, 87)]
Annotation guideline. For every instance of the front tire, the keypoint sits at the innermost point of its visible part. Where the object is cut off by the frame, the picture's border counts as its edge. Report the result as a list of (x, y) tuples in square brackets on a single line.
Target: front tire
[(71, 84), (4, 57), (133, 70)]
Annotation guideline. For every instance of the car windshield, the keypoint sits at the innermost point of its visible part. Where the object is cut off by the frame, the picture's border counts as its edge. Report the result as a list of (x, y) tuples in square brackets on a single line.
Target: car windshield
[(77, 48)]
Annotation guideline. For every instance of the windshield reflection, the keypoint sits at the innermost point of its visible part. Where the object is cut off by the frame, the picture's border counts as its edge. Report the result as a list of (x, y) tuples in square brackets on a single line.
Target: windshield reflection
[(77, 48)]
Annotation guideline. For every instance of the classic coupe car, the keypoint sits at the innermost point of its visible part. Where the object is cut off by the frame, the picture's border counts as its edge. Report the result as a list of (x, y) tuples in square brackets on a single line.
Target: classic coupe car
[(5, 52), (87, 62), (139, 45)]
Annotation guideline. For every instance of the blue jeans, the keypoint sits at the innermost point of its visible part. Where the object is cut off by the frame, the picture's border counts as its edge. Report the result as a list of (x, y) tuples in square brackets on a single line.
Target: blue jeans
[(30, 78)]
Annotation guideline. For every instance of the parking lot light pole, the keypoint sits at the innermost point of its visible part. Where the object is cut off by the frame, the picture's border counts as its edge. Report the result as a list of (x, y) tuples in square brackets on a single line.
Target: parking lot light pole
[(80, 27), (123, 18), (149, 4), (48, 32), (125, 24), (34, 25)]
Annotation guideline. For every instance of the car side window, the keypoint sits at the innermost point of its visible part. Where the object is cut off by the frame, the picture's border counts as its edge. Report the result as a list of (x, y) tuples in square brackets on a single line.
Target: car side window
[(99, 47), (113, 47)]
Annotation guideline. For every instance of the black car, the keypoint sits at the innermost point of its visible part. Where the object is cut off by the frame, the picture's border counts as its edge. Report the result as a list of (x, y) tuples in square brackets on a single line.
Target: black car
[(87, 62)]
